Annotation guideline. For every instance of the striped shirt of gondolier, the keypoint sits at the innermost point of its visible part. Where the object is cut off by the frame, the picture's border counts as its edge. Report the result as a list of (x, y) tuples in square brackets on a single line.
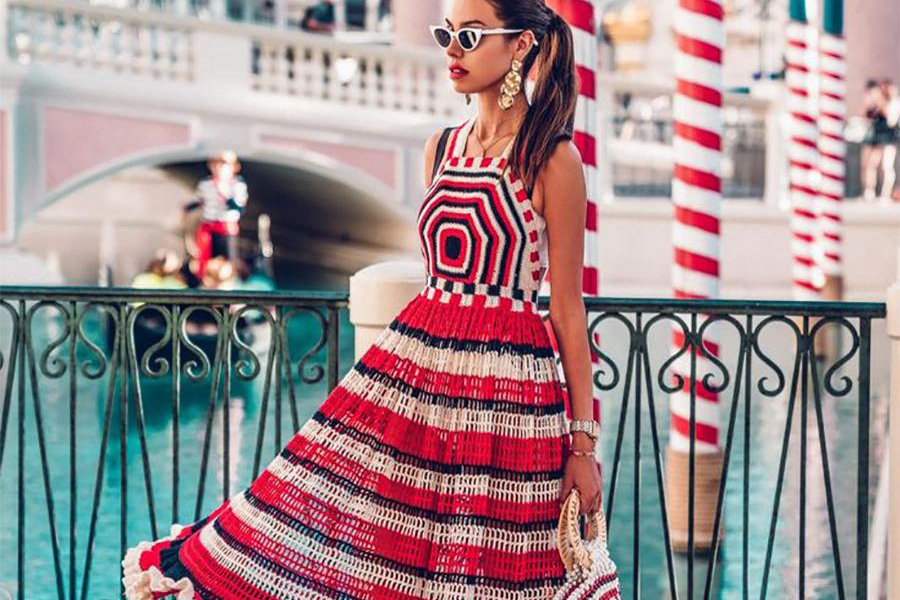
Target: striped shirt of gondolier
[(222, 202)]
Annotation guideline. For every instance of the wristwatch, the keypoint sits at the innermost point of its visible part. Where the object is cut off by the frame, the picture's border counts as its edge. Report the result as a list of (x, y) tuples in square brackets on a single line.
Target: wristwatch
[(588, 426)]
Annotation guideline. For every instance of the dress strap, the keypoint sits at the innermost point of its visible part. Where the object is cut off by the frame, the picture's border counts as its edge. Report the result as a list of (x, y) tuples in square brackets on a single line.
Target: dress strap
[(459, 140), (439, 152)]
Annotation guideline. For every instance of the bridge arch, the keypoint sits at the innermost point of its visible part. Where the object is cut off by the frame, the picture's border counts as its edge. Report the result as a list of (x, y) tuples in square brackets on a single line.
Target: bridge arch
[(325, 213)]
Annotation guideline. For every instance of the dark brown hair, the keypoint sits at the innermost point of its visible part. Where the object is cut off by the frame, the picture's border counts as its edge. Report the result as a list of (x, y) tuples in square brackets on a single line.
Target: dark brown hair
[(551, 114)]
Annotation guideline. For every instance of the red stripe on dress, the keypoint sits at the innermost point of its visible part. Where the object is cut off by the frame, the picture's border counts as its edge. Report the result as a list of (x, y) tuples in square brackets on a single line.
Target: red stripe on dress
[(489, 449), (417, 552), (328, 577), (421, 498), (510, 328), (218, 579)]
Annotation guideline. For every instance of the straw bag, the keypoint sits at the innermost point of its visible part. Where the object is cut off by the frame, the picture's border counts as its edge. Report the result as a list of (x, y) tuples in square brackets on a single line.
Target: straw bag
[(590, 572)]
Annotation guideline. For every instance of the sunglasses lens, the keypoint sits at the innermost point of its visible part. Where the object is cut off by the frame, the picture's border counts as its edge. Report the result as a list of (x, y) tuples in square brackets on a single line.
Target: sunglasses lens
[(442, 37), (468, 38)]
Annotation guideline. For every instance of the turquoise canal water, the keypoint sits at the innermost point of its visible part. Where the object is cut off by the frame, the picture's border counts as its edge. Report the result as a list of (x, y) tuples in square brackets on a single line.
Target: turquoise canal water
[(244, 414)]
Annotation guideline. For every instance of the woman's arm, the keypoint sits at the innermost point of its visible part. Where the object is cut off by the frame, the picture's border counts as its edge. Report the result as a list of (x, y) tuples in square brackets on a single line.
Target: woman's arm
[(562, 195), (563, 198)]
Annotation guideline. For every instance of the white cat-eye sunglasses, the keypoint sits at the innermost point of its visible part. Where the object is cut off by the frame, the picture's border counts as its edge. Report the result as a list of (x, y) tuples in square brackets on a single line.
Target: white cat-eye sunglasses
[(468, 37)]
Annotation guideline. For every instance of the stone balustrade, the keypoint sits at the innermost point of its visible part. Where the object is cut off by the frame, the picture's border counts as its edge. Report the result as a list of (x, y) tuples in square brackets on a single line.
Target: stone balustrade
[(61, 33)]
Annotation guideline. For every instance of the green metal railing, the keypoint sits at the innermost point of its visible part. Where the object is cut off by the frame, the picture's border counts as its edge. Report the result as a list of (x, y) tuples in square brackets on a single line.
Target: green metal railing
[(288, 342)]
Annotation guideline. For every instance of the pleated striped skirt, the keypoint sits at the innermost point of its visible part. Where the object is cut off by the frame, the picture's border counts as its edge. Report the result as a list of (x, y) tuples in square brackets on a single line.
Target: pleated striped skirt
[(432, 471)]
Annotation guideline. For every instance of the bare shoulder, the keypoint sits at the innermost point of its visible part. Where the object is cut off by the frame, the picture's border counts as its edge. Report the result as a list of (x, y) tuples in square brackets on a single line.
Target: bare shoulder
[(565, 156), (430, 149), (562, 175)]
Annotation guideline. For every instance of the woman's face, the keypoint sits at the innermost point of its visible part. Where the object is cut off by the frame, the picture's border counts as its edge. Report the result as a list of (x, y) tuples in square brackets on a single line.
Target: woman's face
[(476, 70)]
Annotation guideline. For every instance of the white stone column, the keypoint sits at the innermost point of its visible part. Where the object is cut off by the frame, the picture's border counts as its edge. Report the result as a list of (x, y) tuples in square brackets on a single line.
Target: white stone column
[(340, 15), (412, 18), (893, 327), (372, 15), (218, 9), (281, 9), (377, 294)]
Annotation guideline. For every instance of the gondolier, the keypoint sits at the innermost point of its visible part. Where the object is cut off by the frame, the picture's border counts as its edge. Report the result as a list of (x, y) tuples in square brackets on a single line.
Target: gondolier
[(223, 198)]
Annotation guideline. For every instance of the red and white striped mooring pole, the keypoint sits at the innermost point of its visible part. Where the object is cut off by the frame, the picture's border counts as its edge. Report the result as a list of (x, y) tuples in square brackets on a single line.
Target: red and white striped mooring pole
[(832, 149), (696, 196), (580, 15), (803, 155)]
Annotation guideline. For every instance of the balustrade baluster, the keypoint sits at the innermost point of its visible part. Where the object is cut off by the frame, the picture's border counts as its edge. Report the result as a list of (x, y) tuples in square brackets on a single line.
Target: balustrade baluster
[(317, 74)]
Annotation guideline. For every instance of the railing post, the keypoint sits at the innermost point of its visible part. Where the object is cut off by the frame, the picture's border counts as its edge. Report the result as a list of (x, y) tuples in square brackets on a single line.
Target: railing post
[(893, 328), (377, 294)]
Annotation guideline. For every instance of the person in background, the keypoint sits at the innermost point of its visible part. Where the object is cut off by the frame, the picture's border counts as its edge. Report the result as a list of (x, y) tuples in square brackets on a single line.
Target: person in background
[(319, 17), (163, 271), (892, 137), (877, 137), (220, 274), (222, 198)]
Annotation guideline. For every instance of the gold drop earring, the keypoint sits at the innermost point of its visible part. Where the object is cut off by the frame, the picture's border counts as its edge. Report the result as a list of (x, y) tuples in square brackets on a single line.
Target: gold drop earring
[(512, 84)]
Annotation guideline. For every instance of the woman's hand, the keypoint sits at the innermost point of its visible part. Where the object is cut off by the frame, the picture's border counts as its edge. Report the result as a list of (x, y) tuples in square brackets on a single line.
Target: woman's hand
[(583, 473)]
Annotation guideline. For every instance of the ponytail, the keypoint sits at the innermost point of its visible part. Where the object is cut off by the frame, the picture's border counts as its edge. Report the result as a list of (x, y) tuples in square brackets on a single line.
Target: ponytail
[(551, 113)]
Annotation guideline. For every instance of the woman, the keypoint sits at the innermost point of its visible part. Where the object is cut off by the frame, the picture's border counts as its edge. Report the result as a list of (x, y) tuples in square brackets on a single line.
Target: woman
[(877, 137), (892, 139), (437, 466)]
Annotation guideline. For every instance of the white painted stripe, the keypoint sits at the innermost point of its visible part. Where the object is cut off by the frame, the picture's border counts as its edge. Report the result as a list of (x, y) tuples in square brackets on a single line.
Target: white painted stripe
[(695, 156), (700, 27), (833, 44), (700, 112), (705, 411), (681, 443), (697, 69), (694, 282), (832, 107), (698, 199), (696, 241)]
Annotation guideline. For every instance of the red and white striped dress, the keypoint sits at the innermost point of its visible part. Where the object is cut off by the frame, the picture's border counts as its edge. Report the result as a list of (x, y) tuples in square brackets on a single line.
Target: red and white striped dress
[(433, 469)]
